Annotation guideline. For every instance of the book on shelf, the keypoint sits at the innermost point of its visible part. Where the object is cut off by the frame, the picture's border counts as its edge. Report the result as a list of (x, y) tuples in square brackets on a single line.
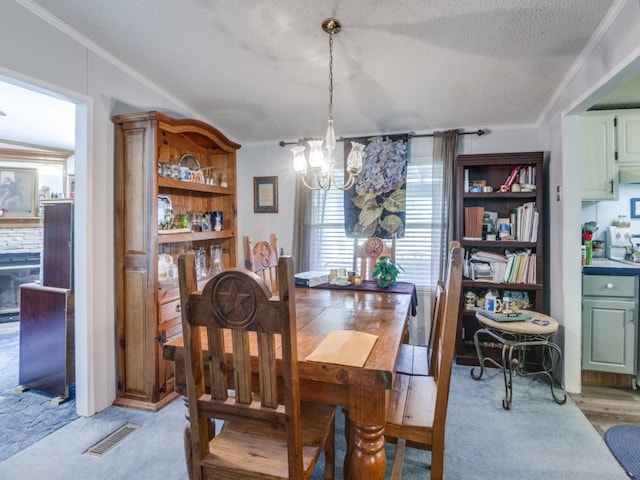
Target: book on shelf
[(487, 256), (526, 222), (532, 278), (473, 217), (520, 267), (481, 271), (527, 175)]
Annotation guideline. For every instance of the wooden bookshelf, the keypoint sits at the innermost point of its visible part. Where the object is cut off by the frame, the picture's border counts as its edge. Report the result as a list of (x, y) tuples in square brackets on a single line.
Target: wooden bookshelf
[(493, 170)]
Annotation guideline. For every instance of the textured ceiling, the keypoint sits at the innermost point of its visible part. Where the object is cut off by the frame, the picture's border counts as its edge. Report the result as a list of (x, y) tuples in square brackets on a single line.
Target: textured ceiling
[(259, 70)]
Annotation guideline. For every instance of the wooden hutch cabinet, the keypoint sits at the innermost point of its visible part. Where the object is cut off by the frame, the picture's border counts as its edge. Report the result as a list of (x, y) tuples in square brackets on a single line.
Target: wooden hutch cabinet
[(147, 145), (505, 227)]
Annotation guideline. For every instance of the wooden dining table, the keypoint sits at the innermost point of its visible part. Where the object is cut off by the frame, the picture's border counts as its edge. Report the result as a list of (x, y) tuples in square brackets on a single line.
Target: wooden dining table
[(365, 390)]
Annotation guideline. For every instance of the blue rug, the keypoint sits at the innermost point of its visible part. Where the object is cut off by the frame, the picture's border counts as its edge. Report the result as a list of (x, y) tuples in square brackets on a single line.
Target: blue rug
[(624, 443), (26, 417)]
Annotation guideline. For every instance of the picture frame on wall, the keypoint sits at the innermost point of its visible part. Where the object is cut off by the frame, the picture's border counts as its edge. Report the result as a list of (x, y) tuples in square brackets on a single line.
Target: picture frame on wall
[(265, 194), (635, 208), (18, 192)]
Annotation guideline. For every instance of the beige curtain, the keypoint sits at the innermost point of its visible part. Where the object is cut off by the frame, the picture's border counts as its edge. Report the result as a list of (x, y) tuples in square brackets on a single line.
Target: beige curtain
[(445, 148), (301, 231)]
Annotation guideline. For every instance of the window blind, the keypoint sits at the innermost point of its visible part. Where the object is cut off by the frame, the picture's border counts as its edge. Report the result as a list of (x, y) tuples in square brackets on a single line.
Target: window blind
[(331, 248)]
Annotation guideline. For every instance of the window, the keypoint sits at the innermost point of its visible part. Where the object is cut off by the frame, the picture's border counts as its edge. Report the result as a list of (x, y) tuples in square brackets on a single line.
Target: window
[(413, 252)]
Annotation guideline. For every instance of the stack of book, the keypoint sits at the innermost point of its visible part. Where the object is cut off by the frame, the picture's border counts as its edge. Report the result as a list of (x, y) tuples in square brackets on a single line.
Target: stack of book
[(520, 267), (513, 267), (527, 176), (526, 222), (310, 279), (486, 266)]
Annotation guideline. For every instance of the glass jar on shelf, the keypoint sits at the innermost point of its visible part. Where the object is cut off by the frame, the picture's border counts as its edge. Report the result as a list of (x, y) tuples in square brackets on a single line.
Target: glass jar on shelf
[(196, 221), (622, 222), (201, 263), (215, 262), (185, 220)]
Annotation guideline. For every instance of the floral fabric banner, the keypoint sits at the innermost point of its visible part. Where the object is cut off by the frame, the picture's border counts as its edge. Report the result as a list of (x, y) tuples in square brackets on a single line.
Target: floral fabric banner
[(376, 204)]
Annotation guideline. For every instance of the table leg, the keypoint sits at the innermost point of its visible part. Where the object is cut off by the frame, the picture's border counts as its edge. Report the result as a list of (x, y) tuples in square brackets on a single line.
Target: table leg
[(476, 341), (547, 350), (367, 414), (507, 371)]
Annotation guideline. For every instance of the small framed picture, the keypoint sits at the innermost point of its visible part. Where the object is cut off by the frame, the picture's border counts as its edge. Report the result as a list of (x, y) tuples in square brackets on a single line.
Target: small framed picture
[(635, 208), (18, 192), (265, 194)]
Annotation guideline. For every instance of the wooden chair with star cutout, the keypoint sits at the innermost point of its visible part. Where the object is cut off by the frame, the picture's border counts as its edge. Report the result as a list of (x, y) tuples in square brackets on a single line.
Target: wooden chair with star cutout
[(268, 432), (367, 253), (262, 259)]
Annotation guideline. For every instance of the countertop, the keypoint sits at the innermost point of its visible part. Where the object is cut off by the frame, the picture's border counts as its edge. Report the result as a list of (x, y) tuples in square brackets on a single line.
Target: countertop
[(604, 266)]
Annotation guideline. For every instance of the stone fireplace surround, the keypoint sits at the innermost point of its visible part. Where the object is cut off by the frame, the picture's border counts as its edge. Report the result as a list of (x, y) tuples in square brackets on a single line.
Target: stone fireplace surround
[(20, 250)]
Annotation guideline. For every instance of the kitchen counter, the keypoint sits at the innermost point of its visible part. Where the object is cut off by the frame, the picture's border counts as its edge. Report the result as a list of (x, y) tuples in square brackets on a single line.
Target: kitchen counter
[(604, 266)]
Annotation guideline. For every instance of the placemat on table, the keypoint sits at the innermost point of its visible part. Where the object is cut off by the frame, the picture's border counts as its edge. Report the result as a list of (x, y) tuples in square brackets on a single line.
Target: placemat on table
[(344, 347)]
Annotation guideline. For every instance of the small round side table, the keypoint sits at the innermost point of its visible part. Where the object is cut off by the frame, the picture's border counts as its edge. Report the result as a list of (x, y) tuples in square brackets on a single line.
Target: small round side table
[(519, 336)]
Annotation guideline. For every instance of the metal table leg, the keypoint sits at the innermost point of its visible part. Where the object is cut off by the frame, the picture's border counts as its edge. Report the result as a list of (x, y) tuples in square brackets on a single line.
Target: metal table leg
[(511, 365)]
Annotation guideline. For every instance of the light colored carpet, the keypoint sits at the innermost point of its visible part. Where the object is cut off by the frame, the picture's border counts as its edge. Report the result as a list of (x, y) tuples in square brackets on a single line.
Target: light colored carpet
[(536, 439), (25, 417)]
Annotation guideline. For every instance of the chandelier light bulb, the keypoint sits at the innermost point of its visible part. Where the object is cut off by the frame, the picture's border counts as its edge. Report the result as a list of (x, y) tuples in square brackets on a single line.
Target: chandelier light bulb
[(299, 160), (316, 157), (354, 160)]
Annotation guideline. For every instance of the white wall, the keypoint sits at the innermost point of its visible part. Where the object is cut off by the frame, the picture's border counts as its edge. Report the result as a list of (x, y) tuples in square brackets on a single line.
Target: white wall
[(36, 53), (265, 161), (611, 59)]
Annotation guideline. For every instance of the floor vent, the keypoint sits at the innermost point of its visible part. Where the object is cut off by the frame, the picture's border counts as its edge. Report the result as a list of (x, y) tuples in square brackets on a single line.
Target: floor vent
[(112, 440)]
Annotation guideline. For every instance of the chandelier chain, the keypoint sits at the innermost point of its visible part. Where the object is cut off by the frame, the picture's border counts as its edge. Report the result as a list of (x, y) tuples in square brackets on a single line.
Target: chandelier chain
[(331, 76), (322, 161)]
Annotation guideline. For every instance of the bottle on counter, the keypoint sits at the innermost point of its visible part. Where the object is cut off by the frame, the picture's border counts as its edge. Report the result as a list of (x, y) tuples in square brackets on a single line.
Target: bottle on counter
[(583, 255), (490, 302), (587, 241)]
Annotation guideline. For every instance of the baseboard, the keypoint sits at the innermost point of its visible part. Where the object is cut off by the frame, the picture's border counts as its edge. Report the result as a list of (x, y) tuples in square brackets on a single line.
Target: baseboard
[(607, 379)]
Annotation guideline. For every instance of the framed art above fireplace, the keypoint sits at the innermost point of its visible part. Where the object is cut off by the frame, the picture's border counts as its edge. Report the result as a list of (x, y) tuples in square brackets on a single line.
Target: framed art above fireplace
[(18, 192), (26, 178)]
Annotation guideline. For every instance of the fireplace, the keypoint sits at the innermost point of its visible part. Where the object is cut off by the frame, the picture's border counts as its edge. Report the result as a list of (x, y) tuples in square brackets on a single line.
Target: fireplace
[(15, 269)]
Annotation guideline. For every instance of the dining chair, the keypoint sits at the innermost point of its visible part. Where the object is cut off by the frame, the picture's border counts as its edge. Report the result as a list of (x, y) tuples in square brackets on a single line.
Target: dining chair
[(268, 431), (417, 359), (262, 259), (418, 404), (367, 253)]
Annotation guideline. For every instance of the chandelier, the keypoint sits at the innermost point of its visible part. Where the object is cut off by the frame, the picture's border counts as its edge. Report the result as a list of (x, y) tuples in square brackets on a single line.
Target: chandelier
[(322, 159)]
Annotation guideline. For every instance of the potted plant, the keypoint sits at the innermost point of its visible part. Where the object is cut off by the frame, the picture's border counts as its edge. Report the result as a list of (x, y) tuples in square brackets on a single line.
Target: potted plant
[(386, 271)]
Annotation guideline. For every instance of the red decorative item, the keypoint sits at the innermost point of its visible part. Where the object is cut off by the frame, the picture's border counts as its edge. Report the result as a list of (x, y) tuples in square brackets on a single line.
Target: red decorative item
[(512, 178)]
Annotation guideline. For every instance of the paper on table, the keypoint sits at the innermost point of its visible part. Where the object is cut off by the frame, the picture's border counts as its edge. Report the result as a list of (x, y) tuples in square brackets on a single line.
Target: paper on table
[(344, 347)]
